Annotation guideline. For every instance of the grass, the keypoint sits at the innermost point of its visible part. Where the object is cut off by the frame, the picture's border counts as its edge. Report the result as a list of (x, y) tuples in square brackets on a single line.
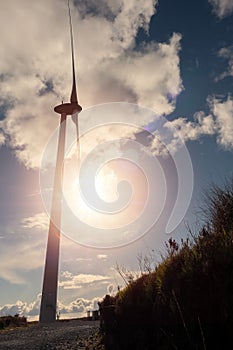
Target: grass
[(186, 302)]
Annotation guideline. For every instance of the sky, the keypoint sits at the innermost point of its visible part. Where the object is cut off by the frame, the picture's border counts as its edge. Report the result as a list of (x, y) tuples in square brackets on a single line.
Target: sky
[(155, 82)]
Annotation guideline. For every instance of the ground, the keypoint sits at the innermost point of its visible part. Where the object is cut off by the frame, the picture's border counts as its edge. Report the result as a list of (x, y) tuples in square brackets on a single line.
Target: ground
[(62, 335)]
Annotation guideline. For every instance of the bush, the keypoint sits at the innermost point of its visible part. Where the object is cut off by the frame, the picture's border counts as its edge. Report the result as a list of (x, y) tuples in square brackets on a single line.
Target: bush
[(12, 321)]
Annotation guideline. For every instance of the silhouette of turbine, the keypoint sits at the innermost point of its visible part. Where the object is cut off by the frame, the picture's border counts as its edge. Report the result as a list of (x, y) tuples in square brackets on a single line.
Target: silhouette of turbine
[(48, 306)]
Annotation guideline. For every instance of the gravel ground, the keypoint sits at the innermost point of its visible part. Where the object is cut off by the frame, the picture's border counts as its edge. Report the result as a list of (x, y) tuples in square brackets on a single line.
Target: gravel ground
[(63, 335)]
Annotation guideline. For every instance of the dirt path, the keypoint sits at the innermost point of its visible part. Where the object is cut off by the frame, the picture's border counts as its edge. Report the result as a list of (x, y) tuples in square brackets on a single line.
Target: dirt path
[(68, 335)]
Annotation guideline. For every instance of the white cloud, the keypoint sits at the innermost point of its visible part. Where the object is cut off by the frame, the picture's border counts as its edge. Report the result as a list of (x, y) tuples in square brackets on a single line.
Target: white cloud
[(70, 281), (21, 308), (182, 130), (31, 310), (223, 112), (67, 275), (188, 130), (152, 75), (102, 256), (110, 67), (22, 250), (83, 259), (222, 8), (226, 53), (38, 221), (79, 306), (20, 257), (2, 139), (219, 123)]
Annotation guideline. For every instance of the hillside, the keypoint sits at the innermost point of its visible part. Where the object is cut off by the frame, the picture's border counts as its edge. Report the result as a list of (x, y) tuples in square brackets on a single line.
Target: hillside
[(187, 301)]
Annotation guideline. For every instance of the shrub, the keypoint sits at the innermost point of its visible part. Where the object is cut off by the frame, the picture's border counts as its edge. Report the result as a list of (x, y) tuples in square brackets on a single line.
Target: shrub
[(12, 321)]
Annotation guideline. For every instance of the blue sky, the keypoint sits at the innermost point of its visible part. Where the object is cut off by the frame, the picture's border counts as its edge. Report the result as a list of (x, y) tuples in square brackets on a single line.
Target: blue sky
[(173, 57)]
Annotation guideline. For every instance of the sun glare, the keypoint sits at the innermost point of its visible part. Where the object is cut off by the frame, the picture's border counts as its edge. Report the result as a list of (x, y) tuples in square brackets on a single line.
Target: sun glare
[(109, 198)]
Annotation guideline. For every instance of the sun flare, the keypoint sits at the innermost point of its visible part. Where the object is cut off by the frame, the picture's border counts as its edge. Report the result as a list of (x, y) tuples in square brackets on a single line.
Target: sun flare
[(111, 198)]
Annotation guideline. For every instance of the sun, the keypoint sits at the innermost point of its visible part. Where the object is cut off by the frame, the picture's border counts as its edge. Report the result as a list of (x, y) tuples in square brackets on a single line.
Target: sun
[(106, 197)]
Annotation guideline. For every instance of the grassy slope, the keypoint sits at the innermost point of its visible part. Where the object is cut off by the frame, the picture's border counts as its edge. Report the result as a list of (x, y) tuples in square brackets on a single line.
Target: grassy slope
[(187, 302)]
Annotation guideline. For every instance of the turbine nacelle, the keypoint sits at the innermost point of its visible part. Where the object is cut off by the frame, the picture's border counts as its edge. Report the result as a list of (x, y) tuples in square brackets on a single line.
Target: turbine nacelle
[(68, 108)]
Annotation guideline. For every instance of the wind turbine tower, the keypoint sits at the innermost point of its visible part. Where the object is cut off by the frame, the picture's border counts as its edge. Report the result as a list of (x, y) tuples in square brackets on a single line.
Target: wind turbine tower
[(48, 308)]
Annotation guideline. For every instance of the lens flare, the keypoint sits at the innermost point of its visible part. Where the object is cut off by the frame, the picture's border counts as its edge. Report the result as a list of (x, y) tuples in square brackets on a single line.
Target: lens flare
[(125, 180)]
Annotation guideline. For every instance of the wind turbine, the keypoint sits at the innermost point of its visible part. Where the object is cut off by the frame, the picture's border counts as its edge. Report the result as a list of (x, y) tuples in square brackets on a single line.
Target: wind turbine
[(48, 308)]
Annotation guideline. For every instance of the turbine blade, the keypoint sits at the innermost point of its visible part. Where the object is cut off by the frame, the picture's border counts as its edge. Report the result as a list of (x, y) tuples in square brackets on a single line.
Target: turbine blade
[(73, 97)]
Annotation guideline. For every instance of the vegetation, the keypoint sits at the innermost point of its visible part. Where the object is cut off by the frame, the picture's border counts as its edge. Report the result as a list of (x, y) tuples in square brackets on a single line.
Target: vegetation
[(186, 302), (12, 321)]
